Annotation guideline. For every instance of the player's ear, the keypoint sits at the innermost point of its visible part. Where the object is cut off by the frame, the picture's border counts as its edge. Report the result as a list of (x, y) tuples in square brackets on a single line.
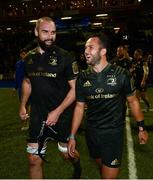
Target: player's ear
[(36, 32), (103, 51)]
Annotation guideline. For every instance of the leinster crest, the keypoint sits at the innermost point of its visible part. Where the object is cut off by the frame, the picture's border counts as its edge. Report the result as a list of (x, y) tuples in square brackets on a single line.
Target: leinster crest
[(111, 81), (53, 59)]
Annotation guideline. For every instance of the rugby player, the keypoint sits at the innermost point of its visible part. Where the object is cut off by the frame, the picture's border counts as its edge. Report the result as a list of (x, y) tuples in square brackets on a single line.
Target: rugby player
[(50, 82), (104, 88)]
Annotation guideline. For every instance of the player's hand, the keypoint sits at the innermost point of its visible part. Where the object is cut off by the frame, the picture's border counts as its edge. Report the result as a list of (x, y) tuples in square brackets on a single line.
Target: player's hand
[(52, 117), (23, 113), (143, 137), (71, 147)]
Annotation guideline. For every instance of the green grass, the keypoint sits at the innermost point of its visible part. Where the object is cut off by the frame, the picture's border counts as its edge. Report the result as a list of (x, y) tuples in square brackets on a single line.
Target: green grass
[(13, 159), (144, 153)]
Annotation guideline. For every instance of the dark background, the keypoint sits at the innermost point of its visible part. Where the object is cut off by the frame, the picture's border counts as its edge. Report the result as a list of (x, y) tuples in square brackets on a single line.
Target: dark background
[(134, 18)]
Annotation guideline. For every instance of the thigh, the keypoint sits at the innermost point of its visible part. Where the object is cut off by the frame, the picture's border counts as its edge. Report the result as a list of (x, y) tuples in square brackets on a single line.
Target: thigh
[(93, 143), (109, 173), (63, 129), (112, 148), (107, 147), (35, 125), (34, 130)]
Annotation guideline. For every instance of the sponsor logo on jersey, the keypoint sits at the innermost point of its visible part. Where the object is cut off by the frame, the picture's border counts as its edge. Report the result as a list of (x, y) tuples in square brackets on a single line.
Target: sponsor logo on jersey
[(101, 96), (111, 81), (42, 74), (99, 90), (87, 84)]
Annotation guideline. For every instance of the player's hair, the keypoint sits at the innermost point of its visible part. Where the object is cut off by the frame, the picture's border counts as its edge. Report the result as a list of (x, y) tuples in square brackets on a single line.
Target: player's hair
[(103, 39), (45, 18), (139, 51), (121, 46)]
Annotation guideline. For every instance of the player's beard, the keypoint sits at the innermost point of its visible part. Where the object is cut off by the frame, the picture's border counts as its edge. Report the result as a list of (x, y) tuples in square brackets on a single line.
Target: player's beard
[(95, 60), (44, 46)]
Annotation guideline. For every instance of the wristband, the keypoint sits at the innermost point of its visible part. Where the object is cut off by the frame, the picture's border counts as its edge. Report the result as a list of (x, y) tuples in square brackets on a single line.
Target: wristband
[(71, 136), (141, 125)]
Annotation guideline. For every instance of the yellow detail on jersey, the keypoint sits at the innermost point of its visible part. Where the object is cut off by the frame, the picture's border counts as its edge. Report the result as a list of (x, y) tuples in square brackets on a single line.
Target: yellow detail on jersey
[(75, 68)]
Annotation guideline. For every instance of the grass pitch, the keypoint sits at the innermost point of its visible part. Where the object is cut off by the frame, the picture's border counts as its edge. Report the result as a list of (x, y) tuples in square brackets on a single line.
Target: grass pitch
[(13, 160)]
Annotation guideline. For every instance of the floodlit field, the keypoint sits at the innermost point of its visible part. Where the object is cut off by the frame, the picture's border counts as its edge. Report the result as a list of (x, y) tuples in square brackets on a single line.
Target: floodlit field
[(137, 159)]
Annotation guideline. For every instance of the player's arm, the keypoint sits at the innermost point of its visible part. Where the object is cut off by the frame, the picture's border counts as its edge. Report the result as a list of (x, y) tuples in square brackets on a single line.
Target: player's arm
[(145, 74), (16, 80), (76, 121), (139, 117), (26, 91), (68, 100)]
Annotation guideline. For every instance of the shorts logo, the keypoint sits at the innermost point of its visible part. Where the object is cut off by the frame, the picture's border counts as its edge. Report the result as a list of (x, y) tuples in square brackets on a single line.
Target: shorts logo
[(87, 84), (111, 81), (115, 162)]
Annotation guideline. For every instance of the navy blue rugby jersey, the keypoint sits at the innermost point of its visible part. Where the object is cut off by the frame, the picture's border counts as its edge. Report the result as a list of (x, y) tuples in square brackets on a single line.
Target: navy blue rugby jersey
[(49, 74), (124, 63), (105, 94), (138, 70)]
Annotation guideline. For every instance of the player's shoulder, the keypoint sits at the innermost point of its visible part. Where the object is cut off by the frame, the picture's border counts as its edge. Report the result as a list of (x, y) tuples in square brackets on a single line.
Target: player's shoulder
[(31, 53), (118, 70), (30, 56), (61, 51), (19, 62), (84, 74), (64, 55)]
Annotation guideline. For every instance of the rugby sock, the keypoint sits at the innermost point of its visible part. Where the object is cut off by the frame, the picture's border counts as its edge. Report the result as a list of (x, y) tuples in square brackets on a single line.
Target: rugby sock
[(76, 169)]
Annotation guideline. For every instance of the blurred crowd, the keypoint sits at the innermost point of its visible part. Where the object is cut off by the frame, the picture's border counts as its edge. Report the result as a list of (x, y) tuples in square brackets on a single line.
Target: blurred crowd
[(11, 44)]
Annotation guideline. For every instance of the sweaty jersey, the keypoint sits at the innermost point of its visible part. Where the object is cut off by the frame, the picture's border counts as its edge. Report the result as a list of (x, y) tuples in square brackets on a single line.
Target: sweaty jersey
[(49, 74), (105, 94)]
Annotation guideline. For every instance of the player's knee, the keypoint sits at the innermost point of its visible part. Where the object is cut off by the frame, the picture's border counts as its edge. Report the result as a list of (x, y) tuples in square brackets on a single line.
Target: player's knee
[(33, 157), (34, 160)]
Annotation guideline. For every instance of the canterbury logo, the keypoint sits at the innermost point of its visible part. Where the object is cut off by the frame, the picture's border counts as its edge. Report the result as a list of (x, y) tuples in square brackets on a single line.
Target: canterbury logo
[(87, 84)]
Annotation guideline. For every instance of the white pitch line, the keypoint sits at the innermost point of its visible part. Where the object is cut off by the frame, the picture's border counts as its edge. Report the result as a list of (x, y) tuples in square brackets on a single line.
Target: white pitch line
[(150, 110), (130, 149)]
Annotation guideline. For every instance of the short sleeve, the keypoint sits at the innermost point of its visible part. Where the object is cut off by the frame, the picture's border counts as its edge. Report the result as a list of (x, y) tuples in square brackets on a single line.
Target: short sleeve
[(71, 69), (129, 87), (80, 96)]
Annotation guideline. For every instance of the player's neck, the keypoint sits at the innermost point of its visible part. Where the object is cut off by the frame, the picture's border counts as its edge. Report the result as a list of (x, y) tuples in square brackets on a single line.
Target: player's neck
[(40, 50), (99, 67)]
